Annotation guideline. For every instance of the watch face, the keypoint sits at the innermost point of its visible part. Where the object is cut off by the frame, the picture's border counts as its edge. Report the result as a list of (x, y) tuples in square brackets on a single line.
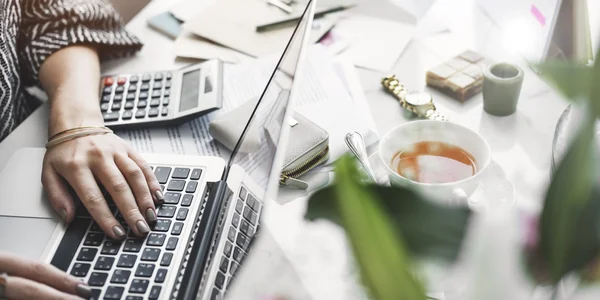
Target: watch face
[(418, 98)]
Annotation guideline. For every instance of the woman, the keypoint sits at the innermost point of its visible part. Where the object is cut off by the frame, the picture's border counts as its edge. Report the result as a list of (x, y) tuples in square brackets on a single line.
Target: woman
[(56, 44)]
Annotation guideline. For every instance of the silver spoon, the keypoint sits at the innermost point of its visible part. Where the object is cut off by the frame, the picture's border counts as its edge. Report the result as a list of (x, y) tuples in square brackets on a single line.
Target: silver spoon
[(356, 143)]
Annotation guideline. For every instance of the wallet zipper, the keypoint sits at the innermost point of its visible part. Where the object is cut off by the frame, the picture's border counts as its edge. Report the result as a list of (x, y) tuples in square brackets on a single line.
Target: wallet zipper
[(289, 177)]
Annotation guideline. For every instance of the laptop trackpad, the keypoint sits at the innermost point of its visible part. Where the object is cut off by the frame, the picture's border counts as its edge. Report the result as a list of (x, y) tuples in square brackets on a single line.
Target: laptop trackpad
[(21, 186), (26, 237)]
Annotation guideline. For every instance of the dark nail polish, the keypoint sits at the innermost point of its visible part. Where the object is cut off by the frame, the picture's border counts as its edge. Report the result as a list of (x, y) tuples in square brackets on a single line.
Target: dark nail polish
[(142, 227), (119, 232), (159, 196), (63, 215), (83, 291), (150, 215)]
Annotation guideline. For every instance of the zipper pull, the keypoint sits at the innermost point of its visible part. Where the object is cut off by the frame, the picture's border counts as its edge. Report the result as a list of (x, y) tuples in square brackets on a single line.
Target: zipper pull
[(293, 182)]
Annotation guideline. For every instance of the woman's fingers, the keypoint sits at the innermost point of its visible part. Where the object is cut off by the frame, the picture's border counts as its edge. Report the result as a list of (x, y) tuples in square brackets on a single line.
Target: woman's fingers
[(117, 186), (35, 280), (84, 183), (137, 181), (153, 183), (57, 193)]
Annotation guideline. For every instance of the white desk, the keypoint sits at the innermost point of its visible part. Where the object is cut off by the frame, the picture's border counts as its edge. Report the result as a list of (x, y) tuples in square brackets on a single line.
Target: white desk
[(521, 143)]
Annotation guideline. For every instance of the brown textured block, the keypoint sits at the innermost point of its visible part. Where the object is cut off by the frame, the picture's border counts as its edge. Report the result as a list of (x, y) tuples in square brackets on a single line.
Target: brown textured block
[(460, 77)]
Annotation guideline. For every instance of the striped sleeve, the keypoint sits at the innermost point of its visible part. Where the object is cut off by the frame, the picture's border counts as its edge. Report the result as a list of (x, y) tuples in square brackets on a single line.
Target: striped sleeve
[(50, 25)]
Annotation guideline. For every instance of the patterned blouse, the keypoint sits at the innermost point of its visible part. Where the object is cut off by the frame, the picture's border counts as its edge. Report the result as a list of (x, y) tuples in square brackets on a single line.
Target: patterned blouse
[(31, 30)]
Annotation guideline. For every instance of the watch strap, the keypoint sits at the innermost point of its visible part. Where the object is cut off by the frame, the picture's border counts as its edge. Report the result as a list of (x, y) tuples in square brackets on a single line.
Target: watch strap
[(392, 85)]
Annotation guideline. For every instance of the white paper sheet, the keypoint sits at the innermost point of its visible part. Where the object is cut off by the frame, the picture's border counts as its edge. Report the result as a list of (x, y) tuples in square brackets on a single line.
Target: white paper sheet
[(375, 43), (187, 9), (190, 45)]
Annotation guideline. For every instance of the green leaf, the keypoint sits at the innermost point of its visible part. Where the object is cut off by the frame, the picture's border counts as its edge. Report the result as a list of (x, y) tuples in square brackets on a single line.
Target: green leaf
[(378, 249), (572, 80), (569, 222)]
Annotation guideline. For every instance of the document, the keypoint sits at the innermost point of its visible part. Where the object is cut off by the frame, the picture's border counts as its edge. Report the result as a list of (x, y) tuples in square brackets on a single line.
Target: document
[(190, 45)]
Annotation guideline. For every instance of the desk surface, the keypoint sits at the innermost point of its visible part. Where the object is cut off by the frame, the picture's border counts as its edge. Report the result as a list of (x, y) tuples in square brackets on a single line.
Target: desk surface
[(521, 143)]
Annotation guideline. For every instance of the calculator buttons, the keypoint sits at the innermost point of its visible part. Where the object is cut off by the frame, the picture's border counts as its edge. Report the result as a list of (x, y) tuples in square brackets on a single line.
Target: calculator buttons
[(164, 111), (119, 89), (116, 106), (110, 116), (167, 84), (146, 77), (127, 115), (140, 113), (121, 80), (142, 104), (157, 86), (153, 112), (129, 105), (167, 93), (132, 88), (131, 96), (107, 90), (118, 97), (104, 107), (155, 103), (168, 75), (134, 79), (156, 94), (143, 96), (108, 81), (145, 87), (166, 101), (158, 76), (106, 98)]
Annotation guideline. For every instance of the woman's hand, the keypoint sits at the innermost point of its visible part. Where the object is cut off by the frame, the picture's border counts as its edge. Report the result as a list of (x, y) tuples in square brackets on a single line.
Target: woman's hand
[(35, 280), (109, 160)]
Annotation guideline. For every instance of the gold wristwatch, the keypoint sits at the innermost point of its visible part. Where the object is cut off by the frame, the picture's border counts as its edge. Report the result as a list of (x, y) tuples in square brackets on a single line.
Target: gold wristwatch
[(419, 103)]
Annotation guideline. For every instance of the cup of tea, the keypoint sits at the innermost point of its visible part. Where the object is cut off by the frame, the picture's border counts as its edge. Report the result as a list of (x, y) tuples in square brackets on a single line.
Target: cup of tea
[(436, 158)]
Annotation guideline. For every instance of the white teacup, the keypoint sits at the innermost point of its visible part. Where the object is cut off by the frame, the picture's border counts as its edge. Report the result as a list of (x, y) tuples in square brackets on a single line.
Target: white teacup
[(406, 135)]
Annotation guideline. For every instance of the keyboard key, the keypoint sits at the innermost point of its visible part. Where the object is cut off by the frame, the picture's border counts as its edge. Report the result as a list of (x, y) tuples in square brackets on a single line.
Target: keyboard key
[(118, 98), (143, 95), (162, 225), (220, 280), (167, 93), (106, 98), (95, 294), (151, 254), (110, 116), (114, 293), (158, 76), (142, 104), (215, 294), (93, 239), (121, 80), (108, 81), (231, 234), (134, 79), (162, 174), (224, 266), (104, 263), (251, 216), (243, 193), (233, 268), (156, 239), (97, 279), (131, 89), (120, 276), (168, 75), (144, 270), (242, 241), (235, 220), (111, 247), (145, 87), (167, 84), (104, 107), (181, 173), (166, 101), (182, 214), (128, 114), (134, 298), (238, 254), (140, 113), (107, 90), (187, 200), (154, 102), (196, 174), (172, 243), (164, 111), (166, 211), (127, 260), (146, 77), (246, 228), (119, 89), (133, 245), (177, 228), (172, 197), (191, 187), (129, 105), (239, 206), (95, 227), (130, 97), (254, 204), (227, 249), (161, 275), (139, 286), (156, 94), (176, 185), (80, 269), (116, 106), (154, 293), (153, 112), (87, 254), (166, 259)]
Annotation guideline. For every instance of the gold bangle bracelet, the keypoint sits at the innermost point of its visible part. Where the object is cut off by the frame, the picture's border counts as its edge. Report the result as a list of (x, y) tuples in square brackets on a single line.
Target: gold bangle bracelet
[(76, 129), (77, 134)]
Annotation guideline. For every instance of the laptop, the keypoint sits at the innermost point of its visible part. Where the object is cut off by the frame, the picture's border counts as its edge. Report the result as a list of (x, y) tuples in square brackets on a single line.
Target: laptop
[(211, 213)]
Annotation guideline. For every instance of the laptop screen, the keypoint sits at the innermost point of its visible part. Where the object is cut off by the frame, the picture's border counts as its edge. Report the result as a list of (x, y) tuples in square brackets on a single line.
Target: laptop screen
[(270, 118)]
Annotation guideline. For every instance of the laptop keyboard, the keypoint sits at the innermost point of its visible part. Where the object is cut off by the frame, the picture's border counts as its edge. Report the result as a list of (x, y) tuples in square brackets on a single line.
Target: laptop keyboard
[(135, 268)]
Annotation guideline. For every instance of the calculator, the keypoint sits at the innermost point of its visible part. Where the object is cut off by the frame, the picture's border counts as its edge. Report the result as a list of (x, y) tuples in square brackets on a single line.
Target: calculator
[(161, 98)]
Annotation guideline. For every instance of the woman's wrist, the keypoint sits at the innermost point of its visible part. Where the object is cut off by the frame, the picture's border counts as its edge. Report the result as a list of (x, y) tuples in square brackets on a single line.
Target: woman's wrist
[(67, 113)]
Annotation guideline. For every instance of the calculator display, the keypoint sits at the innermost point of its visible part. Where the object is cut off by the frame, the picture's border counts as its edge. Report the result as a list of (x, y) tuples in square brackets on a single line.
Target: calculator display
[(190, 90)]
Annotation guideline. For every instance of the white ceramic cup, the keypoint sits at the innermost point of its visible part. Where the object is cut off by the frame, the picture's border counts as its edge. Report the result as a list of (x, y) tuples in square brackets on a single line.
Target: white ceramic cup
[(406, 135)]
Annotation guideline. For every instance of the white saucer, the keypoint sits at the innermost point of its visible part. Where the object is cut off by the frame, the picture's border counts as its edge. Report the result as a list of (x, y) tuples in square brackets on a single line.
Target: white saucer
[(494, 189)]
